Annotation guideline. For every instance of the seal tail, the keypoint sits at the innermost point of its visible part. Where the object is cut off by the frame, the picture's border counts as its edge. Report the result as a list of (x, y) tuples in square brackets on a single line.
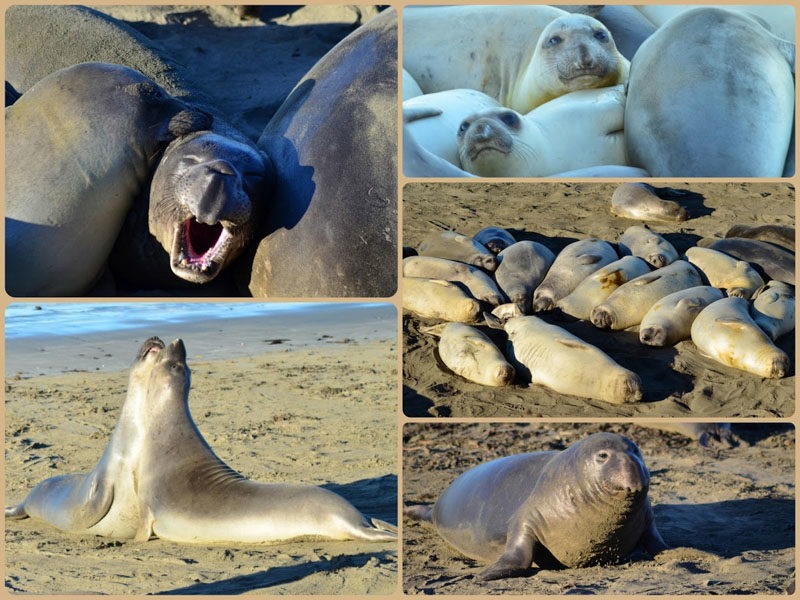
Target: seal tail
[(17, 512), (419, 512), (377, 530)]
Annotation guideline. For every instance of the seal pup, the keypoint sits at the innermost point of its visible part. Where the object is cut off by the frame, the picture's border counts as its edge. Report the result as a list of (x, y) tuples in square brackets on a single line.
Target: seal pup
[(773, 309), (780, 235), (670, 319), (573, 264), (540, 353), (439, 299), (159, 477), (583, 506), (546, 52), (469, 352), (726, 332), (771, 261), (734, 276), (640, 240), (456, 246), (710, 94), (522, 268), (578, 130), (496, 239), (73, 174), (644, 202), (598, 286), (478, 283), (627, 305)]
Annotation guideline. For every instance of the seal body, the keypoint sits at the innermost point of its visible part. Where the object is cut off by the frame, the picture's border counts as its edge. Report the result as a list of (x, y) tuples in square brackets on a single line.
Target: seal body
[(496, 239), (573, 264), (710, 94), (551, 356), (640, 201), (80, 146), (469, 352), (158, 476), (773, 309), (439, 299), (582, 506), (640, 240), (522, 268), (725, 332), (734, 276), (479, 284), (670, 319), (627, 305), (775, 234), (332, 226), (598, 286), (578, 130), (455, 246), (771, 261)]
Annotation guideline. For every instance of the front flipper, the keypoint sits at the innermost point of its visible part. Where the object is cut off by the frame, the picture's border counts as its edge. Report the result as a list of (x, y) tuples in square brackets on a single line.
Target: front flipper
[(652, 541), (518, 555)]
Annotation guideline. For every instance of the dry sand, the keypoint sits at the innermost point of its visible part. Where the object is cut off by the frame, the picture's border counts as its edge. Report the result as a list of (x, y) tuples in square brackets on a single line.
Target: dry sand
[(318, 407), (677, 381), (728, 515)]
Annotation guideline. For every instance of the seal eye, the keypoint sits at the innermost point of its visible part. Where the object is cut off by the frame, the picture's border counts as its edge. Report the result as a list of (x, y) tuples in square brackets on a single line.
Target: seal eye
[(601, 36), (462, 129), (553, 41), (602, 456), (509, 118)]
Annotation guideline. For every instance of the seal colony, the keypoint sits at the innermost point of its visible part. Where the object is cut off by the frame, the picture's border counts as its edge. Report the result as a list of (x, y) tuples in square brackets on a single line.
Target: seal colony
[(583, 506), (679, 117), (159, 477), (658, 294)]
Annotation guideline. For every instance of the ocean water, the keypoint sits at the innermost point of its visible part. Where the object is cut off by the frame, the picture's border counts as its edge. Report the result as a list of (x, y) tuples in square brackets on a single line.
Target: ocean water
[(23, 320)]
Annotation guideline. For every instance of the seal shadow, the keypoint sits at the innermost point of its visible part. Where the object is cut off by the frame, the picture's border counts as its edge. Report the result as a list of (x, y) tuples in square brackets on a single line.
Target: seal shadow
[(554, 243), (376, 496), (415, 404), (280, 575), (730, 527)]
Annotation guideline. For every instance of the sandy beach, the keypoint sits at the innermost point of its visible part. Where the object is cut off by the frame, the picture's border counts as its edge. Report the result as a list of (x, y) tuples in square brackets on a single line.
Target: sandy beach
[(289, 398), (677, 382), (726, 514)]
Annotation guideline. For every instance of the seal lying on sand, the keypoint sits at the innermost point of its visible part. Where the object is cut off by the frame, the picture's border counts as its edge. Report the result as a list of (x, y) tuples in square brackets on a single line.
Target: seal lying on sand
[(159, 477), (583, 506)]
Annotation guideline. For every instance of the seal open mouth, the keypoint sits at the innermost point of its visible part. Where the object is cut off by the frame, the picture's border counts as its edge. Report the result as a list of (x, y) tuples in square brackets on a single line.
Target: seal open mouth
[(153, 344), (199, 250)]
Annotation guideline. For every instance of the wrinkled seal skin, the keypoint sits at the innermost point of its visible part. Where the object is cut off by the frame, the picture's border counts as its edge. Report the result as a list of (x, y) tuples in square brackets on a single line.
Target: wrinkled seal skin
[(80, 146), (583, 506), (710, 94), (159, 477), (332, 227)]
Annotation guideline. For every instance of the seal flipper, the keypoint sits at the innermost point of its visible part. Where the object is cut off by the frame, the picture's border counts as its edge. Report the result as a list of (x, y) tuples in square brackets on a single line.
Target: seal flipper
[(651, 541), (518, 555), (419, 512)]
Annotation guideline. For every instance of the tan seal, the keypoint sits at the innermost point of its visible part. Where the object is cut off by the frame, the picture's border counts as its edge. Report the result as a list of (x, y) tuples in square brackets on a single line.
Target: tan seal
[(640, 240), (773, 308), (670, 319), (470, 353), (644, 202), (439, 299), (734, 276), (479, 284)]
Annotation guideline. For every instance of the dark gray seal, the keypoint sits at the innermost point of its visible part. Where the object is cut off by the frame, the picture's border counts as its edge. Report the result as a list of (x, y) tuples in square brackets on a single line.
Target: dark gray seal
[(781, 235), (332, 227), (582, 506)]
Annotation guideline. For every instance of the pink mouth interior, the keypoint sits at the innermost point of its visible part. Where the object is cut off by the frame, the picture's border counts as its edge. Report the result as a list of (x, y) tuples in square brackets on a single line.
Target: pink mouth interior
[(200, 238)]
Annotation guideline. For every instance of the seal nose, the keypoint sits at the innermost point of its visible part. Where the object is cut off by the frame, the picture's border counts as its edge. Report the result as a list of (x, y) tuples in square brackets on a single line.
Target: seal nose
[(483, 130), (177, 350), (219, 194), (585, 58)]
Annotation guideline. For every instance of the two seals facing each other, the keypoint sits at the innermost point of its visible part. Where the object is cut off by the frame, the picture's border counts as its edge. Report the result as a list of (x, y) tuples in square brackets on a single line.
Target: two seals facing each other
[(582, 506), (159, 477)]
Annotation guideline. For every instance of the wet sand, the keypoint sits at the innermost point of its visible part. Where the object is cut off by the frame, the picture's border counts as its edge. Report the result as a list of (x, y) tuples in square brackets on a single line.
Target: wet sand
[(677, 382), (727, 514), (318, 407)]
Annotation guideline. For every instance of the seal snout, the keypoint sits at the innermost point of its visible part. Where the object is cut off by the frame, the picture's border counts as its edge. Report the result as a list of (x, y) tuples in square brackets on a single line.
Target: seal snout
[(153, 344), (176, 350)]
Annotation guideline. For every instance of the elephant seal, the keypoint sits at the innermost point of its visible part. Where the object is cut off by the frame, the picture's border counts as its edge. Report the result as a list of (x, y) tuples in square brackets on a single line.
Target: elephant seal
[(205, 198), (734, 276), (478, 283), (725, 332), (470, 353), (640, 240), (496, 239), (780, 235), (598, 286), (439, 299), (80, 145), (710, 94), (331, 229), (545, 53), (411, 88), (644, 202), (539, 352), (433, 119), (573, 264), (773, 309), (670, 319), (769, 260), (455, 246), (717, 435), (159, 477), (575, 131), (583, 506), (522, 268), (628, 304)]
